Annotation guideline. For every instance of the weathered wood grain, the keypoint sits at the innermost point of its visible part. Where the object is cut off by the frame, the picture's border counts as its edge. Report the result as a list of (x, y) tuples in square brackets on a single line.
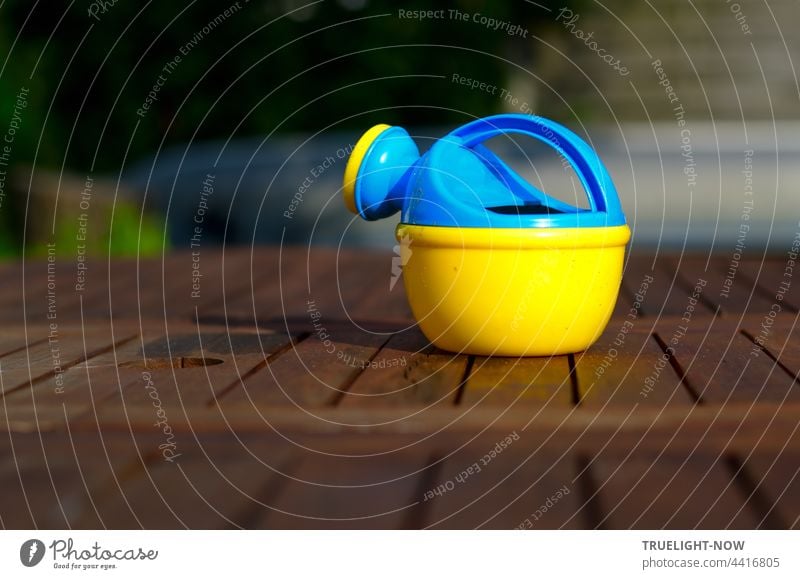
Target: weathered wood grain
[(296, 392), (665, 491), (407, 372)]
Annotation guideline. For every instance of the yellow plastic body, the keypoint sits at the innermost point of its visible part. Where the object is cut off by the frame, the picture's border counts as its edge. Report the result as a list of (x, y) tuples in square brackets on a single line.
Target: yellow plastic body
[(354, 164), (512, 292)]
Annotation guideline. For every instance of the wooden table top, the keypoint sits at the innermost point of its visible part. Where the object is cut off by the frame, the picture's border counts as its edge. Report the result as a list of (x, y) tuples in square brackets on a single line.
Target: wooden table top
[(290, 388)]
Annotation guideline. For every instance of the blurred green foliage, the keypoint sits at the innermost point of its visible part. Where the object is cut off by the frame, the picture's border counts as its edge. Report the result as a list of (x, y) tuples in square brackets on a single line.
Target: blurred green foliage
[(122, 235), (257, 70)]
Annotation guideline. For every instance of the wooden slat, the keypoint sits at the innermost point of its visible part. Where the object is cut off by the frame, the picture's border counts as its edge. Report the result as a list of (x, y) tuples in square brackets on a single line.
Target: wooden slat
[(71, 345), (651, 492), (625, 367), (334, 492), (81, 391), (169, 373), (732, 296), (720, 367), (315, 372), (27, 284), (17, 340), (276, 279), (60, 476), (245, 279), (528, 381), (407, 372), (521, 487), (41, 361), (177, 291), (105, 289), (665, 294), (780, 341), (280, 291), (90, 301), (213, 482), (775, 482), (386, 299), (372, 419), (135, 376), (770, 276)]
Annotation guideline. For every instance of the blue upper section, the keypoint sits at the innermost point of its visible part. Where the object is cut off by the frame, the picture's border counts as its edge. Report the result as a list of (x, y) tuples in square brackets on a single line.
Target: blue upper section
[(461, 183)]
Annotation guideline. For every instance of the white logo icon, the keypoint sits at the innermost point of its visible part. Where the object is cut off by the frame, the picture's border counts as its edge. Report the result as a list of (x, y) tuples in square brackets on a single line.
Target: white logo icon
[(402, 253)]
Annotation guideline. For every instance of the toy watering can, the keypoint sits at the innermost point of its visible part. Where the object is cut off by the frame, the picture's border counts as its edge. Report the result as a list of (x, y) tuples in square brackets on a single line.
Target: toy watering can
[(492, 265)]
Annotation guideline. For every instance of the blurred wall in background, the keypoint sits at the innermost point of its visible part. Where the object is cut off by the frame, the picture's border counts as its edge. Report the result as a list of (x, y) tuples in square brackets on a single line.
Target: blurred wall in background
[(701, 134)]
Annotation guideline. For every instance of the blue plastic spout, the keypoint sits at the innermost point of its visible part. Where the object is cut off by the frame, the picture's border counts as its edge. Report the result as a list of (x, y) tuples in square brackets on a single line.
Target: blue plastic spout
[(459, 182), (384, 169)]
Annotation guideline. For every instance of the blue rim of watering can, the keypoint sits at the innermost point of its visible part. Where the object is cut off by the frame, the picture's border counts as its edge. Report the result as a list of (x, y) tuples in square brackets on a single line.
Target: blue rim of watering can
[(386, 174)]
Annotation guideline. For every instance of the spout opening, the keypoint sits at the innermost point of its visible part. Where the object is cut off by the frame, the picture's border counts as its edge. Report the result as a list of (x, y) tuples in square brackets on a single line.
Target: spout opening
[(526, 209)]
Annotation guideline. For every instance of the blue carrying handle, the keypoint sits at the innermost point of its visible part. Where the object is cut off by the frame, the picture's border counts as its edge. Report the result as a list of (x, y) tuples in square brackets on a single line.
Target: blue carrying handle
[(587, 164)]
